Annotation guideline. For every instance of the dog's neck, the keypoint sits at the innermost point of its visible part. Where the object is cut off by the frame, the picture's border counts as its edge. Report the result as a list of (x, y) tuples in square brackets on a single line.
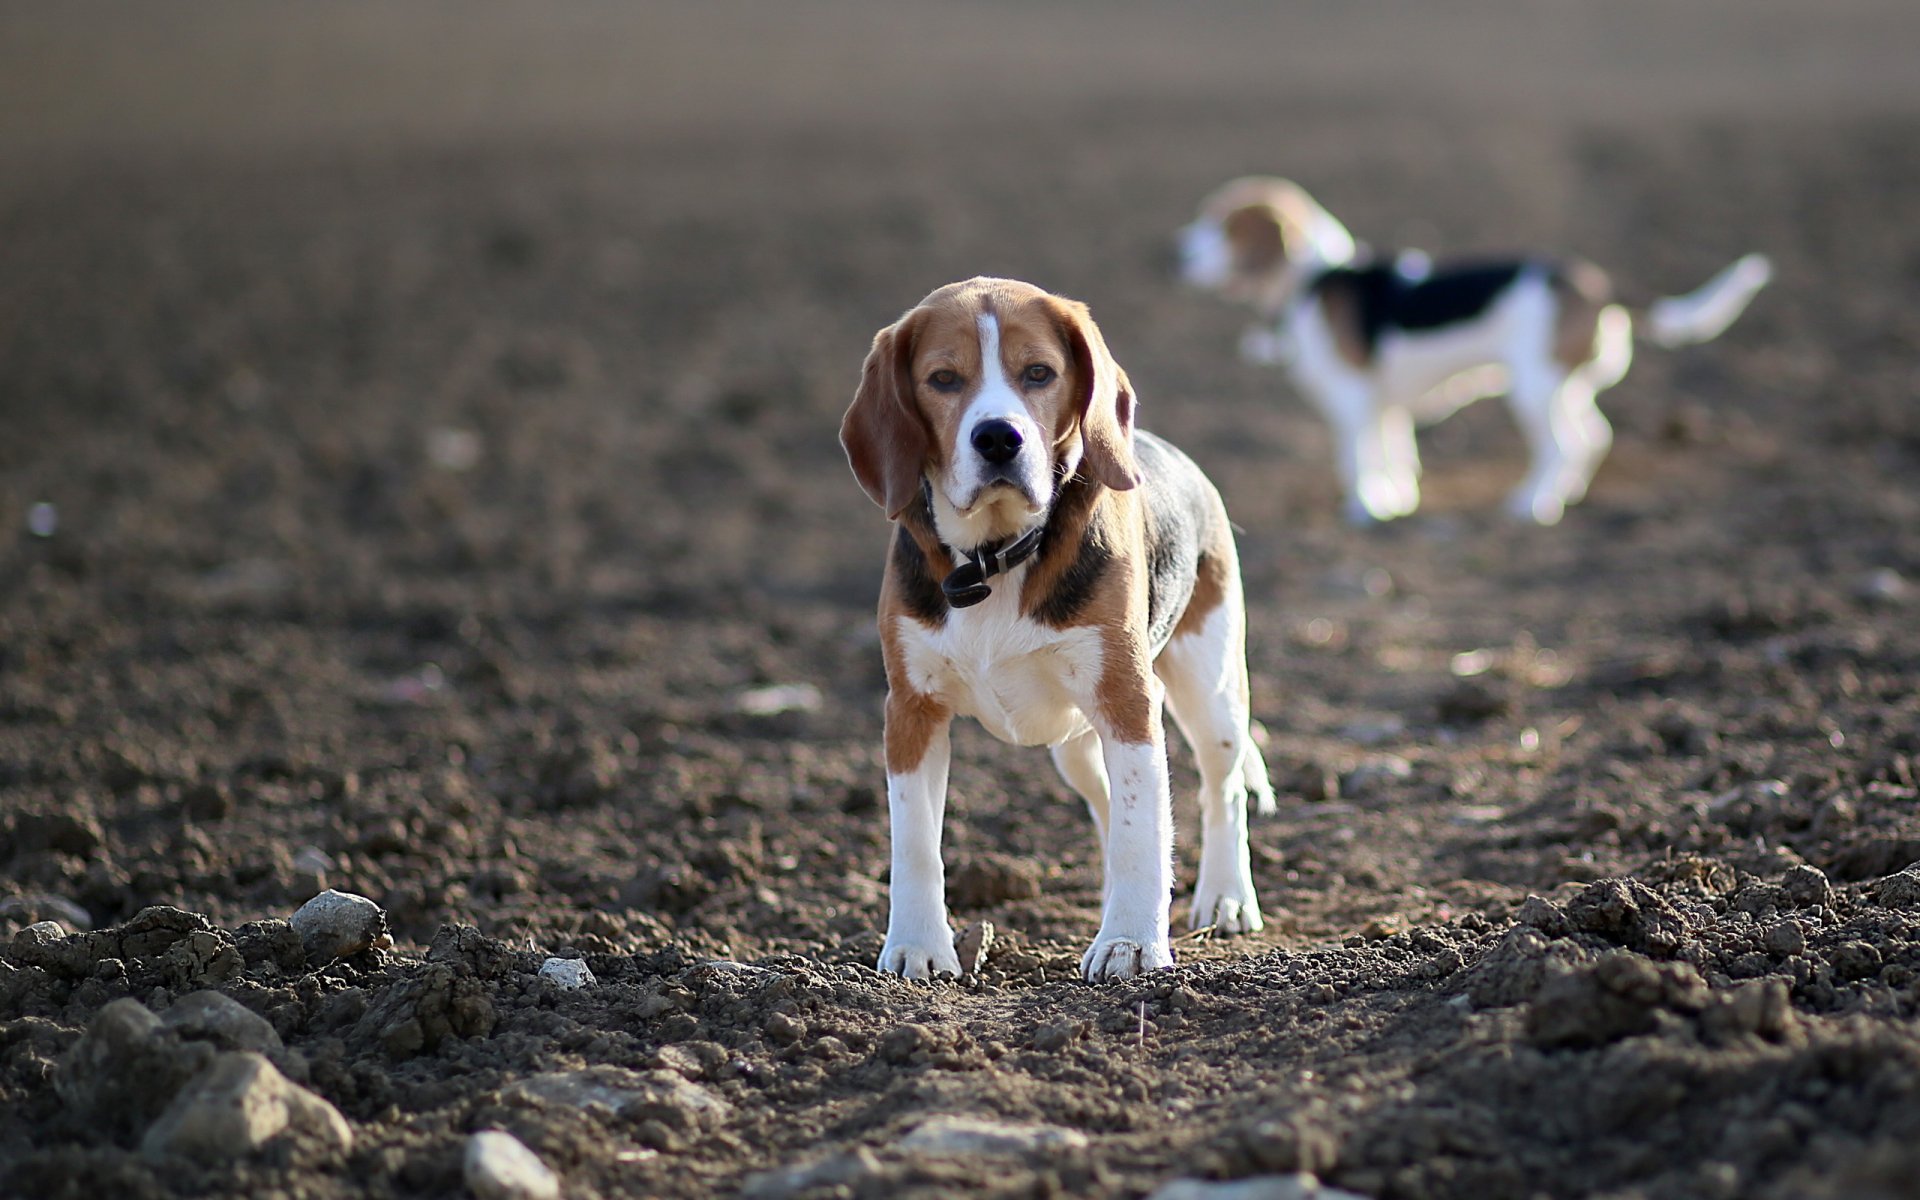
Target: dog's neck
[(966, 585)]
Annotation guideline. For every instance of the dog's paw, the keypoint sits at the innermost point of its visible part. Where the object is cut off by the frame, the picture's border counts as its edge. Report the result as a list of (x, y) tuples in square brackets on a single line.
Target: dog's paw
[(1116, 956), (1541, 508), (919, 958), (1228, 910)]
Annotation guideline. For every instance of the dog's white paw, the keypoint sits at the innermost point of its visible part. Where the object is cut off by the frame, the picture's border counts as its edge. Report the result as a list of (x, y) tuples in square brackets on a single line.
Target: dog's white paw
[(1228, 910), (920, 958), (1541, 508), (1116, 956)]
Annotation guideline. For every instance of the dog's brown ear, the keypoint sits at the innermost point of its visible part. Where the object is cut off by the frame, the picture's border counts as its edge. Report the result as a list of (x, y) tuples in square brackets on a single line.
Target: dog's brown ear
[(1258, 234), (1106, 402), (883, 433)]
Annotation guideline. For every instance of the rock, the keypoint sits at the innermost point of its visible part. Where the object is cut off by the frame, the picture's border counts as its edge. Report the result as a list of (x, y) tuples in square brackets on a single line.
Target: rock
[(785, 1029), (988, 879), (1301, 1186), (844, 1170), (1900, 890), (567, 974), (954, 1134), (214, 1017), (1786, 939), (235, 1106), (1375, 772), (41, 908), (498, 1166), (635, 1096), (1058, 1035), (40, 933), (974, 943), (1805, 886), (336, 925), (690, 1060), (1882, 585), (125, 1069)]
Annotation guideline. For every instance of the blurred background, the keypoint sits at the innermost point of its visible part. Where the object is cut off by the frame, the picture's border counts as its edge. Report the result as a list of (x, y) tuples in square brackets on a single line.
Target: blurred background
[(430, 409)]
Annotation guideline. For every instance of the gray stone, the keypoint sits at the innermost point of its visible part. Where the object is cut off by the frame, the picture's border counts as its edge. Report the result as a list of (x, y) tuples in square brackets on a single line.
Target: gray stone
[(1900, 889), (499, 1166), (1301, 1186), (843, 1170), (567, 974), (339, 924), (960, 1135), (663, 1096), (238, 1104), (218, 1018), (125, 1069)]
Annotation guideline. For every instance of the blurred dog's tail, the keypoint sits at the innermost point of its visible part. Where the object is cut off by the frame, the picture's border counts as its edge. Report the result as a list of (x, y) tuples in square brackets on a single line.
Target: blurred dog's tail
[(1704, 313)]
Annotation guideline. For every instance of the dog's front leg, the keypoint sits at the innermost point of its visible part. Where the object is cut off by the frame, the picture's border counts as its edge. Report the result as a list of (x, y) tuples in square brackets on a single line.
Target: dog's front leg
[(1139, 852), (919, 940)]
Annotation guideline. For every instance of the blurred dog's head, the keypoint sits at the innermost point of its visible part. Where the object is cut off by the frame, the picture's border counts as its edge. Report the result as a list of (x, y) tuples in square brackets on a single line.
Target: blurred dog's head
[(989, 394), (1256, 237)]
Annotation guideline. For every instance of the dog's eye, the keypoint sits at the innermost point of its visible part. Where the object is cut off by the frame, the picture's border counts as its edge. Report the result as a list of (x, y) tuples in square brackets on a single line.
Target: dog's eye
[(1038, 373), (944, 379)]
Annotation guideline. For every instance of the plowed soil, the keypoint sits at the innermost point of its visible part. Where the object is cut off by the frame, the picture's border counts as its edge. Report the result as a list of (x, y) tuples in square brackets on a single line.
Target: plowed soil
[(418, 478)]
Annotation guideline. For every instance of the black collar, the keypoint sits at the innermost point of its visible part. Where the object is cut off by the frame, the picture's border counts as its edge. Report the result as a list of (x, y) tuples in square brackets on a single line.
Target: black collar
[(966, 585)]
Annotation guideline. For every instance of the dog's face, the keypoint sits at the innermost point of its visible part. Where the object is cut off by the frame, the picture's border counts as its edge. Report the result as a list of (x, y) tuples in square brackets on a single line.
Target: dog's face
[(1244, 238), (993, 392)]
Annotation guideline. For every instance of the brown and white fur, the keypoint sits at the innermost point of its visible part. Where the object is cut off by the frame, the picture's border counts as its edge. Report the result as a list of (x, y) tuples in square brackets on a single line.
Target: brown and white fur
[(1546, 333), (989, 411)]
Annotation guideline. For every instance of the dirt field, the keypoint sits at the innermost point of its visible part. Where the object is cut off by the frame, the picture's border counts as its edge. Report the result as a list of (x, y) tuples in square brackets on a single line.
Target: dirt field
[(417, 472)]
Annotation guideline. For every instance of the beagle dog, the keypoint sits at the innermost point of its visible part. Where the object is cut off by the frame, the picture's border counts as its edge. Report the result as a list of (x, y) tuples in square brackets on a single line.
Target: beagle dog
[(1056, 575), (1382, 344)]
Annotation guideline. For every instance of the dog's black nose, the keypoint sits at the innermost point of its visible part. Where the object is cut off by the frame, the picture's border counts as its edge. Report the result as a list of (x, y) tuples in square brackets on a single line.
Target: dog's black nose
[(997, 441)]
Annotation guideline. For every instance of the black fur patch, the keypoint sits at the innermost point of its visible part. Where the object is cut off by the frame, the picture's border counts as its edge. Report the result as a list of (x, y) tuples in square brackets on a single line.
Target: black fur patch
[(1389, 297), (1076, 584), (1177, 505), (919, 588)]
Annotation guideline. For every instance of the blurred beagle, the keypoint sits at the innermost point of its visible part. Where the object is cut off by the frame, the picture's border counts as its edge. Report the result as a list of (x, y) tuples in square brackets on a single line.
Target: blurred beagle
[(1381, 345), (1055, 574)]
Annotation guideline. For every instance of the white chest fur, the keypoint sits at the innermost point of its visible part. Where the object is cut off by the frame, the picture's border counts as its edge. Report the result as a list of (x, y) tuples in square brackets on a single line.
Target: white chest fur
[(1025, 683)]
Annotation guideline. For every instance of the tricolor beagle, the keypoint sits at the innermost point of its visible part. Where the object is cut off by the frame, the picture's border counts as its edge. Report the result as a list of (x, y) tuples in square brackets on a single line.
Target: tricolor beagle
[(1380, 345), (1054, 574)]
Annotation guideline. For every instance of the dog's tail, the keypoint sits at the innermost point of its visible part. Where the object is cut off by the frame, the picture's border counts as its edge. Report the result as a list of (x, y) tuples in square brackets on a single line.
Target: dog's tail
[(1704, 313)]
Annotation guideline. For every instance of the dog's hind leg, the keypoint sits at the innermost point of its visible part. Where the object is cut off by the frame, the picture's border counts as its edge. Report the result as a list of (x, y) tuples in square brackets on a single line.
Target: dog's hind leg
[(1080, 764), (1204, 668)]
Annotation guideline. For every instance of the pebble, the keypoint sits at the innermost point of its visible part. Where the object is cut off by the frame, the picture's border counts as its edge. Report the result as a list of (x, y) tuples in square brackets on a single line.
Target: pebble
[(43, 908), (335, 925), (498, 1166), (238, 1104), (1882, 584), (215, 1017), (842, 1171), (973, 946), (567, 974), (634, 1096), (1900, 890), (1300, 1186), (1373, 772), (954, 1134)]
